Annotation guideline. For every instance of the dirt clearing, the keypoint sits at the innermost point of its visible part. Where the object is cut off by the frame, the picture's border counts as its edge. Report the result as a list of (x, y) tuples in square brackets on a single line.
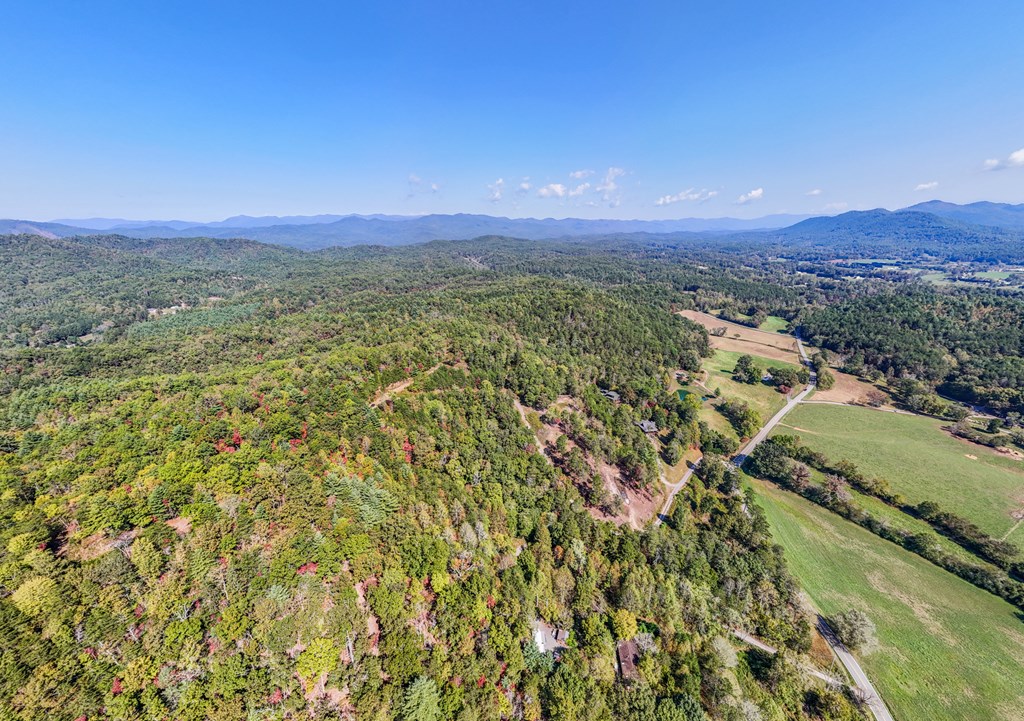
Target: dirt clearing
[(847, 389), (741, 338)]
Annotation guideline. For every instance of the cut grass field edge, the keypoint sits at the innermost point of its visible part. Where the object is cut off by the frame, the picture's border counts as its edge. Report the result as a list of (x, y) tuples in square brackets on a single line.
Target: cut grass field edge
[(970, 541), (1011, 591), (944, 649)]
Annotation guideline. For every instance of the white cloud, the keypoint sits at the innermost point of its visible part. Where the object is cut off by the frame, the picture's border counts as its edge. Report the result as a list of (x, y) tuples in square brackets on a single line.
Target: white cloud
[(755, 194), (579, 190), (927, 186), (417, 186), (816, 191), (580, 174), (524, 187), (608, 187), (698, 196), (552, 190), (495, 190), (1015, 160)]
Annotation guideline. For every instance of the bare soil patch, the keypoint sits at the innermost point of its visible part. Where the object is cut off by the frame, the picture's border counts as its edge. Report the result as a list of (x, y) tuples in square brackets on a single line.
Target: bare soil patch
[(637, 507), (1012, 453), (181, 525), (821, 652), (740, 338), (394, 389), (847, 389)]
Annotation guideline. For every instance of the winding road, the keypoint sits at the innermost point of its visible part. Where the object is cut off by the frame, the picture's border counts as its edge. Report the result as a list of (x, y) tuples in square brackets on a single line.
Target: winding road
[(860, 679), (758, 438)]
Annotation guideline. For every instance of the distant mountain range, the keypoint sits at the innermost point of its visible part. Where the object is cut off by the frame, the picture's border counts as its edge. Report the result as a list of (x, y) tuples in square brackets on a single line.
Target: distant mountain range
[(234, 222), (936, 228), (324, 231), (904, 233), (999, 215)]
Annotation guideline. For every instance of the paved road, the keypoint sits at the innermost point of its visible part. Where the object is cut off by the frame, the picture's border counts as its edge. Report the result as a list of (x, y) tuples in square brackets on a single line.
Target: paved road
[(751, 444), (853, 668), (860, 679), (754, 442)]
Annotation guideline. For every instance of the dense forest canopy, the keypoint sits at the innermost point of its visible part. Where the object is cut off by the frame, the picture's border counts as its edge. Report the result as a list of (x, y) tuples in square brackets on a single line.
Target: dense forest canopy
[(969, 344), (315, 493), (241, 481)]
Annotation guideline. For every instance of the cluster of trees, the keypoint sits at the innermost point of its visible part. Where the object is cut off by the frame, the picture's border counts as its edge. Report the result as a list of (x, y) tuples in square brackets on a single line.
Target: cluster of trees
[(783, 377), (743, 418), (959, 529), (967, 344), (747, 371), (240, 522)]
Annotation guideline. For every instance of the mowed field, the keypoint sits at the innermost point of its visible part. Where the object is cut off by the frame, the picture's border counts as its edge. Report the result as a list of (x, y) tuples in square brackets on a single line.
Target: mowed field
[(774, 324), (742, 339), (772, 346), (761, 397), (920, 461), (946, 649)]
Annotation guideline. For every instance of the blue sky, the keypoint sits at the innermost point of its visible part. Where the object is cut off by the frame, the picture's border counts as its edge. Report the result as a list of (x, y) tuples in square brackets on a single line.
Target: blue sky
[(624, 110)]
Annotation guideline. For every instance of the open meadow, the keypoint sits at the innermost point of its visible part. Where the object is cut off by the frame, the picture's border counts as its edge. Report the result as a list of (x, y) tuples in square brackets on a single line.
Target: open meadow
[(946, 650), (763, 398), (919, 460)]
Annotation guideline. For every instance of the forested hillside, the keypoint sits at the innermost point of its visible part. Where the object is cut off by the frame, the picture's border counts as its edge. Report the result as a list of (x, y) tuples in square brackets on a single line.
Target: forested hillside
[(969, 344), (316, 496)]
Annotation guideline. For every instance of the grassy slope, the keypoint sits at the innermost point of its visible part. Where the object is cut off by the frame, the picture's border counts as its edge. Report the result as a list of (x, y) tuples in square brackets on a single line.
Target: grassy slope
[(898, 519), (774, 324), (919, 460), (762, 398), (946, 650)]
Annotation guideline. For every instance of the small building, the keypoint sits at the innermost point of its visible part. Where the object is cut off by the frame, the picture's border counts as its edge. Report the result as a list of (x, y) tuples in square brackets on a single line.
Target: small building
[(549, 638), (610, 395), (648, 426), (628, 657)]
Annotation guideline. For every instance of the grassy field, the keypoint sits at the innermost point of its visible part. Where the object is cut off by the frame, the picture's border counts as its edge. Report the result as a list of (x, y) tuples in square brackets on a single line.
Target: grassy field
[(946, 650), (904, 522), (920, 461), (774, 324), (762, 398)]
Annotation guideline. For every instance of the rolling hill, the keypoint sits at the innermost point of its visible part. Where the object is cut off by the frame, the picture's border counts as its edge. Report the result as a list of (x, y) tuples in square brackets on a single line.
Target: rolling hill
[(1000, 215)]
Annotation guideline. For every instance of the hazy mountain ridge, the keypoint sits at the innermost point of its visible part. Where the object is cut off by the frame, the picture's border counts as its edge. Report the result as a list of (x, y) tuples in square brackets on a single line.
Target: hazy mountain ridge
[(952, 231), (323, 231), (904, 233), (1000, 215)]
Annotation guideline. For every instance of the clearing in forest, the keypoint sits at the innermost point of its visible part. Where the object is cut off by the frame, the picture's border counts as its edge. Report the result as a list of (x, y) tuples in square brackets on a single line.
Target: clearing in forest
[(773, 346), (774, 324), (921, 461), (946, 650), (638, 505), (763, 398), (744, 339)]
